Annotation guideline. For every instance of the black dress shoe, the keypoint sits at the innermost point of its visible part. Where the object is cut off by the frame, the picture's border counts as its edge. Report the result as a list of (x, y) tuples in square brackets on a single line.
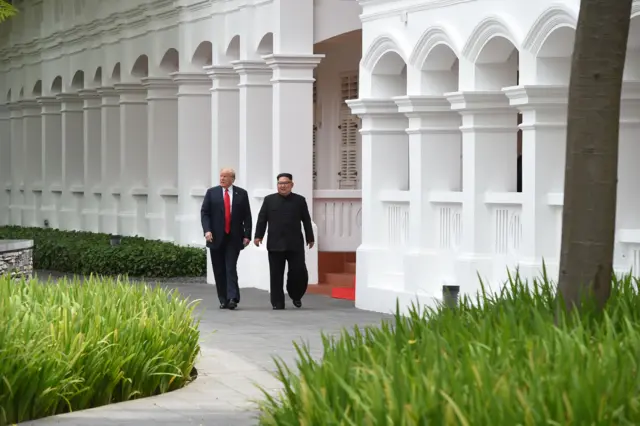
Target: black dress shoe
[(232, 304), (297, 303), (278, 308), (223, 306)]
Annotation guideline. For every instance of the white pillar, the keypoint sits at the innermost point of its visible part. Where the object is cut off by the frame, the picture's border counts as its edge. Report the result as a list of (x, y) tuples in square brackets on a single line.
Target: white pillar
[(628, 208), (92, 164), (225, 119), (434, 167), (5, 164), (255, 126), (32, 131), (162, 153), (72, 161), (489, 129), (51, 160), (17, 164), (109, 159), (133, 159), (544, 132), (194, 152)]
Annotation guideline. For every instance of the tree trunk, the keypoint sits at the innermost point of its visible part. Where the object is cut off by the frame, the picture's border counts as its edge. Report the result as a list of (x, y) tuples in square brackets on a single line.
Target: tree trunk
[(591, 173)]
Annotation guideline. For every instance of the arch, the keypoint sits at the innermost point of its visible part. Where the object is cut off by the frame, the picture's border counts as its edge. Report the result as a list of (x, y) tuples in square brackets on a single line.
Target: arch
[(56, 85), (233, 49), (265, 47), (380, 46), (634, 30), (21, 94), (115, 73), (37, 89), (140, 68), (97, 77), (487, 30), (170, 61), (203, 55), (547, 24), (430, 40), (77, 82), (8, 95), (389, 76)]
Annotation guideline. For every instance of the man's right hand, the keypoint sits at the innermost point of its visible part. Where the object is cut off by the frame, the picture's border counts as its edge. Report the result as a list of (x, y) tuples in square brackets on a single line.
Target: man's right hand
[(209, 237), (257, 242)]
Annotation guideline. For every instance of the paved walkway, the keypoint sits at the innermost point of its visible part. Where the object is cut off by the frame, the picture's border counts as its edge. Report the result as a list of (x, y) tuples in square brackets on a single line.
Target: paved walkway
[(237, 351)]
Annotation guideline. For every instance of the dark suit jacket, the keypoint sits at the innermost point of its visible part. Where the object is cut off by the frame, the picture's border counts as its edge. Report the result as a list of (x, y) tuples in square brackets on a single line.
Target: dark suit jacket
[(212, 217), (283, 215)]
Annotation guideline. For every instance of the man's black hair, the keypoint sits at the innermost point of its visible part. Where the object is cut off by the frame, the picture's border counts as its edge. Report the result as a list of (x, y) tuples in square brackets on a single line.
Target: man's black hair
[(286, 175)]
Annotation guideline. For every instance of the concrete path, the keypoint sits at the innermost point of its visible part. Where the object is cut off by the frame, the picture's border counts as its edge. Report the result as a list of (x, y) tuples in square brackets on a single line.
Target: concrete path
[(237, 352)]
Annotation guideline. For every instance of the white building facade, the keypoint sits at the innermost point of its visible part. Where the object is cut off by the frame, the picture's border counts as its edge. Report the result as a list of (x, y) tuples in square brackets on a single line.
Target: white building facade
[(402, 120)]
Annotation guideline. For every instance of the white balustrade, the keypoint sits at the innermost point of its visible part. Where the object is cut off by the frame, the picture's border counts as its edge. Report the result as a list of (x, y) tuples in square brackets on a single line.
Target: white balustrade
[(338, 216)]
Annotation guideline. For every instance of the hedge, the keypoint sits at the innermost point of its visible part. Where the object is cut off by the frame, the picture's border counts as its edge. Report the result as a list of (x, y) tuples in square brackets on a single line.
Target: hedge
[(73, 345), (87, 252), (500, 362)]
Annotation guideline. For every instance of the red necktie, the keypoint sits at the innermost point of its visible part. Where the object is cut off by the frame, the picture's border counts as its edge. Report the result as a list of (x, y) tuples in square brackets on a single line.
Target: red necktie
[(227, 212)]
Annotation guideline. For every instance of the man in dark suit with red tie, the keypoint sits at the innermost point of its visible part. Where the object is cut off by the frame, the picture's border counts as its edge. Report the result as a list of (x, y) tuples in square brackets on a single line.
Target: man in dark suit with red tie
[(226, 223)]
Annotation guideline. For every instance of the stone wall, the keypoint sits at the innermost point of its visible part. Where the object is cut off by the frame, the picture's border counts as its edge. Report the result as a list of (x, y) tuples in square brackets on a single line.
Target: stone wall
[(16, 258)]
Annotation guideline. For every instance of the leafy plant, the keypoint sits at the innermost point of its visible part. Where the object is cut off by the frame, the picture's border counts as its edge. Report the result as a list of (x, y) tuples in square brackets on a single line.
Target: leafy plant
[(87, 252), (71, 345), (498, 360), (7, 10)]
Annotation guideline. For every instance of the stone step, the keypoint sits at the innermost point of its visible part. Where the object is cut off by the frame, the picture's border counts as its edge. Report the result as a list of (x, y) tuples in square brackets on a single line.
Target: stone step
[(341, 279)]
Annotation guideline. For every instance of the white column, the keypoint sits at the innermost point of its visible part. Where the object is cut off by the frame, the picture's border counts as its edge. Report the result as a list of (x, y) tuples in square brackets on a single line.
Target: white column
[(256, 104), (92, 129), (434, 167), (5, 164), (162, 154), (17, 164), (628, 208), (225, 119), (72, 161), (133, 159), (194, 152), (32, 131), (489, 129), (544, 132), (293, 118), (51, 160), (109, 159)]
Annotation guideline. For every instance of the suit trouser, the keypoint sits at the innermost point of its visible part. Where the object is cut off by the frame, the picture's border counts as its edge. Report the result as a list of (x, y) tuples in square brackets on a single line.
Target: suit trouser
[(224, 260), (297, 277)]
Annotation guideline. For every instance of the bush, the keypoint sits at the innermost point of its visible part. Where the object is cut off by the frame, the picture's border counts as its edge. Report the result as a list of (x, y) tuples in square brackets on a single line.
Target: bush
[(73, 345), (88, 252), (499, 362)]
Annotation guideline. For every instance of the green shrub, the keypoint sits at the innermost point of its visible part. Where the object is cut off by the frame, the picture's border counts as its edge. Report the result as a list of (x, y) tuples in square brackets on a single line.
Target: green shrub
[(88, 252), (73, 345), (500, 362)]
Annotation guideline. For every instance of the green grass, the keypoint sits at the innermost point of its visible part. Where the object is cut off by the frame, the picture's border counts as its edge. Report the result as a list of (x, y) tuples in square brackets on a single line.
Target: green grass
[(91, 253), (499, 362), (73, 345)]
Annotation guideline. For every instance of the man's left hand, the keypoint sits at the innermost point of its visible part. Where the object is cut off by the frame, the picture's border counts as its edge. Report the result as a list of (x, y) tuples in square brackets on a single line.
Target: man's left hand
[(246, 242), (311, 244)]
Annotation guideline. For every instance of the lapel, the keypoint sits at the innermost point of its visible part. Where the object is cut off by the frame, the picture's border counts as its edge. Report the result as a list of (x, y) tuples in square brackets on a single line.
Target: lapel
[(235, 201)]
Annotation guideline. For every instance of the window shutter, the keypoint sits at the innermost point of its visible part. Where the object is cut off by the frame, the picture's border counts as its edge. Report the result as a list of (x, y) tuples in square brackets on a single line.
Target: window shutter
[(349, 124), (315, 136)]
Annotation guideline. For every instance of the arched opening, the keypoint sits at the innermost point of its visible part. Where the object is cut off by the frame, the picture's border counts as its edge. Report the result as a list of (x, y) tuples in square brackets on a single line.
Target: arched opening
[(140, 68), (56, 86), (265, 47), (203, 56), (554, 57), (115, 74), (170, 61), (37, 89), (77, 83), (97, 77), (389, 76), (233, 49), (8, 95), (439, 72)]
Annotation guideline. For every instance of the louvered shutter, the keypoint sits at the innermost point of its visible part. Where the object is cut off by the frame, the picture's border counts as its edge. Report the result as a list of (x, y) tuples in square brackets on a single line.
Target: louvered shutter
[(349, 124)]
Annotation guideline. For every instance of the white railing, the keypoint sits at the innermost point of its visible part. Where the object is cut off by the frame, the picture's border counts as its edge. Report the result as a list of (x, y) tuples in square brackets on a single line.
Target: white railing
[(338, 216)]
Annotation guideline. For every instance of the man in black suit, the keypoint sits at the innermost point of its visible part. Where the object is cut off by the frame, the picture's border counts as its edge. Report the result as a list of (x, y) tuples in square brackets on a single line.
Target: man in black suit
[(226, 223), (283, 212)]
